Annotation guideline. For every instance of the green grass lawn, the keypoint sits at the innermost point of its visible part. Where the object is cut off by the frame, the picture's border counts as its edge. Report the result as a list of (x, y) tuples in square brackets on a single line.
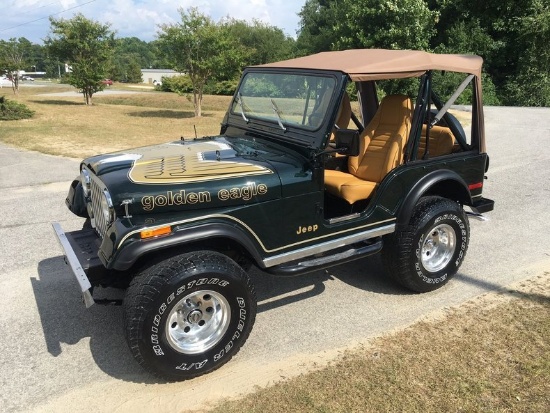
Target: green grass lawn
[(489, 355), (65, 126)]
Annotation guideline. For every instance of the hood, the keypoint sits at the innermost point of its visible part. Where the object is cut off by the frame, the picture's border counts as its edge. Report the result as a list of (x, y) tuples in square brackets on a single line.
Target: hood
[(208, 173)]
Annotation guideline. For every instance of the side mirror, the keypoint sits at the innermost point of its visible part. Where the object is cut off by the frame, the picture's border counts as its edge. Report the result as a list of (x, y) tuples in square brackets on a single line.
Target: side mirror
[(347, 141)]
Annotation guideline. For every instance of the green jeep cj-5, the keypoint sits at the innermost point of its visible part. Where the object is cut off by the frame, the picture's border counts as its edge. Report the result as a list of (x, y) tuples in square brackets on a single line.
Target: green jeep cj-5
[(299, 179)]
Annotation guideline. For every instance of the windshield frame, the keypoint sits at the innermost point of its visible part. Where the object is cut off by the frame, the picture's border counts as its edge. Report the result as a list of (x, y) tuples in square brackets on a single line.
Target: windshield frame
[(294, 132)]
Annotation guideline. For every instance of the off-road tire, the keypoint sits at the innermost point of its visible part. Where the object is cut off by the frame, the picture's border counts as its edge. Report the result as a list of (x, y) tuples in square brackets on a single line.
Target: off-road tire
[(427, 253), (189, 314)]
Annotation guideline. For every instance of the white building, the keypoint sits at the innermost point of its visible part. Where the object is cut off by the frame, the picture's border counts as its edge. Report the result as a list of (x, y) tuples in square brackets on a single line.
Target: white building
[(155, 75)]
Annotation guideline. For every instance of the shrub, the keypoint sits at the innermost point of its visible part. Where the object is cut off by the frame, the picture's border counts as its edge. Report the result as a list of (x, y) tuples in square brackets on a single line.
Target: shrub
[(259, 86), (177, 84), (10, 110), (223, 87), (530, 88), (182, 85)]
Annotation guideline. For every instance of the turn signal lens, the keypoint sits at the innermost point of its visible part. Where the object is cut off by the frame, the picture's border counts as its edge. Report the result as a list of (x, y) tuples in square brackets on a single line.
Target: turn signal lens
[(157, 232), (85, 181)]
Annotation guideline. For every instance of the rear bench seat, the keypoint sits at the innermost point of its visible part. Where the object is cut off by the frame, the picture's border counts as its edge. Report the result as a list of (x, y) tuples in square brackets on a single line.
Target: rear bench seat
[(441, 142)]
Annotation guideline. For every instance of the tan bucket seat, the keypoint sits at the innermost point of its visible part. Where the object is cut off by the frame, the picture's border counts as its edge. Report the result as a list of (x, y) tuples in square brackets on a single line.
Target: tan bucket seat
[(381, 149)]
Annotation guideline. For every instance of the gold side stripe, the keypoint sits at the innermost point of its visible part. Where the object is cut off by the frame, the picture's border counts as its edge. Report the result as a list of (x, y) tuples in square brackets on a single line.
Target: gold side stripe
[(223, 216)]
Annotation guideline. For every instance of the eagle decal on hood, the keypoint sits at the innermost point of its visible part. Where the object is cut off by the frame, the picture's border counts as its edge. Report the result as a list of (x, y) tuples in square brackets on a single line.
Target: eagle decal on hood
[(192, 162)]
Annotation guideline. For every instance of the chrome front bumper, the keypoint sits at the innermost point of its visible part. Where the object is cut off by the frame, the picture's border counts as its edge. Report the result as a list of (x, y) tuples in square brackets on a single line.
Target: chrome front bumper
[(73, 262)]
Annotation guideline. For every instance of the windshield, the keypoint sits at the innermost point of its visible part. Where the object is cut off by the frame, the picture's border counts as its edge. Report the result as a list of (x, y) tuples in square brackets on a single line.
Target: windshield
[(285, 99)]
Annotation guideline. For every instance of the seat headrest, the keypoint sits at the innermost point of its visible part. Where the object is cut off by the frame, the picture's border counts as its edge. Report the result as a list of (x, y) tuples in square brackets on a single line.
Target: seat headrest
[(393, 108)]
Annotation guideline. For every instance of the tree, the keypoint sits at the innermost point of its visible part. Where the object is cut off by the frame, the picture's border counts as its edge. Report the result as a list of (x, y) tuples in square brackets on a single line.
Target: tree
[(391, 24), (133, 72), (512, 40), (126, 67), (37, 59), (131, 55), (14, 55), (86, 46), (139, 50), (349, 24), (263, 43), (200, 48), (317, 26), (530, 86), (344, 24)]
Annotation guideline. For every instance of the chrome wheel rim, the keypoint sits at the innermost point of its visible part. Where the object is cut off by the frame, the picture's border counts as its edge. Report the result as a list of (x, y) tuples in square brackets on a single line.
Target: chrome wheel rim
[(438, 248), (197, 322)]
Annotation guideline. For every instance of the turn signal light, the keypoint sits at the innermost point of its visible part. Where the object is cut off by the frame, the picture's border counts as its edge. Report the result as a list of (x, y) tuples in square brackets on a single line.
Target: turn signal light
[(157, 232)]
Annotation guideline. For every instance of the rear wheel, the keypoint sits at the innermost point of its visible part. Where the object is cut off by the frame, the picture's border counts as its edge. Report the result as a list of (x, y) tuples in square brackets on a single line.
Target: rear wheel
[(189, 315), (428, 252)]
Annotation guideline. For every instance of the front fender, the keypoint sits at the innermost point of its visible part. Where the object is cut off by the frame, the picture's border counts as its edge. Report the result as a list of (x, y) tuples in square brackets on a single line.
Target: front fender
[(127, 255), (75, 199)]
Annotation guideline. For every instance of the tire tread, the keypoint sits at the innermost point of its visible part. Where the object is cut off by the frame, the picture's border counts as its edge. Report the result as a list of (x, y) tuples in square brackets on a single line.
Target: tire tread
[(146, 286), (399, 245)]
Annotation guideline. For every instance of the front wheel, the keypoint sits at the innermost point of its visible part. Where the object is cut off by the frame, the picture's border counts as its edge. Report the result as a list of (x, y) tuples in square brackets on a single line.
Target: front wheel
[(424, 255), (189, 315)]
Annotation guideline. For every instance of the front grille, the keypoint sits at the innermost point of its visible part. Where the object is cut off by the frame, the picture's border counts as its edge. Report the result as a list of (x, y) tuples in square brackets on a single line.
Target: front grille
[(96, 195)]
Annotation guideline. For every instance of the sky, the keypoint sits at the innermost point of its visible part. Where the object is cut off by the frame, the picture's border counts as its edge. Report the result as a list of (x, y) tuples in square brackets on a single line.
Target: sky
[(139, 18)]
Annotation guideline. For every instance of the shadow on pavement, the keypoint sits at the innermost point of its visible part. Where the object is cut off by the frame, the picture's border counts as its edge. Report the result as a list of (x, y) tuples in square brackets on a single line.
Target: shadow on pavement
[(365, 274), (488, 286), (65, 319)]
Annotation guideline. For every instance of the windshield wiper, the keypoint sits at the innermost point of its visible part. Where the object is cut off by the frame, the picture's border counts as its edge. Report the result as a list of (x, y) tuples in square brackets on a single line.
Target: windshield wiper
[(278, 113), (242, 106)]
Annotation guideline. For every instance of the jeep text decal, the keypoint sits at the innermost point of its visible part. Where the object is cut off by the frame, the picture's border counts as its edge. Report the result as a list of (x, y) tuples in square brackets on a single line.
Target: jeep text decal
[(183, 197)]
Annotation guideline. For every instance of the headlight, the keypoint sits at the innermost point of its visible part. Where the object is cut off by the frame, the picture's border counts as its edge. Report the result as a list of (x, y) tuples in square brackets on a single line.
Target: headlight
[(107, 207), (85, 180)]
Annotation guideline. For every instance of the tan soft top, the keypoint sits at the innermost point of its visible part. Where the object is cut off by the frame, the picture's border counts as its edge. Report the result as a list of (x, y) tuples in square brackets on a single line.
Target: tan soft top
[(377, 64), (373, 64)]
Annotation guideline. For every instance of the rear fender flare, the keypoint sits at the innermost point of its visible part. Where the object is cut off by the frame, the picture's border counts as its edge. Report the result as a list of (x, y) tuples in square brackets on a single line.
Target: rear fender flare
[(445, 183)]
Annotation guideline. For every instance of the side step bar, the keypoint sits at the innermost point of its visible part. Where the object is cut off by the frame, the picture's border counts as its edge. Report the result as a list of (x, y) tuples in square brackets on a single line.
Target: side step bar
[(483, 205), (318, 262), (479, 207), (479, 217)]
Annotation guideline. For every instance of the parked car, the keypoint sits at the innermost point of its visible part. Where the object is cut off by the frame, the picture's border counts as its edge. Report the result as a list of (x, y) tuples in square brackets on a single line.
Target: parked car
[(296, 181), (25, 77), (107, 82)]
